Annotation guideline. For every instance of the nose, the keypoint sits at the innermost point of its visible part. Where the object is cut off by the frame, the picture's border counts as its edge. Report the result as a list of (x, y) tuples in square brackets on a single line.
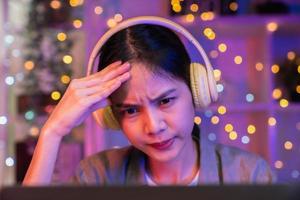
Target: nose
[(154, 122)]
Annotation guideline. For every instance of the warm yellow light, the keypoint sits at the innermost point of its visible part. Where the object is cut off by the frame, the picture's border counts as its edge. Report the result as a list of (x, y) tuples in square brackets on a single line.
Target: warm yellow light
[(298, 89), (278, 164), (251, 129), (214, 53), (215, 120), (65, 79), (222, 110), (283, 103), (233, 135), (272, 121), (277, 93), (29, 65), (259, 66), (288, 145), (194, 7), (275, 69), (197, 120), (55, 4), (34, 131), (74, 3), (233, 6), (77, 23), (272, 26), (222, 47), (212, 36), (206, 16), (176, 7), (291, 55), (207, 32), (228, 127), (118, 17), (189, 18), (217, 74), (67, 59), (238, 60), (55, 95), (98, 10), (61, 36), (111, 23)]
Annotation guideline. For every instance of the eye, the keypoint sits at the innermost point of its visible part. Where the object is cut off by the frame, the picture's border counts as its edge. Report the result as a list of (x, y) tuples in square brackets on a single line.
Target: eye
[(166, 101), (129, 111)]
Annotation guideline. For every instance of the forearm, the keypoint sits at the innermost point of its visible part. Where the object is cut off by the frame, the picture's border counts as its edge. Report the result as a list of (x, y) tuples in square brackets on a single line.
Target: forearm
[(43, 161)]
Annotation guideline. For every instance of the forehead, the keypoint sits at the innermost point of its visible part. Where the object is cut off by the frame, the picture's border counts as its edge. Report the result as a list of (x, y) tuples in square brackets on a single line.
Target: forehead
[(144, 85)]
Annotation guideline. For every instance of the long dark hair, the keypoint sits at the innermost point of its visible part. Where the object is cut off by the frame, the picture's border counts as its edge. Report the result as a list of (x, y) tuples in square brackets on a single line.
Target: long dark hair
[(158, 47)]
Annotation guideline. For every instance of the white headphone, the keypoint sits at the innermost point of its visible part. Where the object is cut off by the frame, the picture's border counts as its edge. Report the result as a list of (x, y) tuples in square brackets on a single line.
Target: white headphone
[(202, 80)]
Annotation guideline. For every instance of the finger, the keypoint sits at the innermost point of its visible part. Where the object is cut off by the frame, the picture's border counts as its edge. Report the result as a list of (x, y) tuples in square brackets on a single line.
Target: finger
[(107, 69), (108, 76), (108, 89)]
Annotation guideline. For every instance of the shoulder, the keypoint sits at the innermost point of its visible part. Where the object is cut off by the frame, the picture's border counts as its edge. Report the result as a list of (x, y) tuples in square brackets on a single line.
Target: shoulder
[(243, 166), (104, 167)]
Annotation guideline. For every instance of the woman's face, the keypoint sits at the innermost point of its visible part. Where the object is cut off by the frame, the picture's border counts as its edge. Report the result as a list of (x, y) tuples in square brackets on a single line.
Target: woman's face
[(155, 113)]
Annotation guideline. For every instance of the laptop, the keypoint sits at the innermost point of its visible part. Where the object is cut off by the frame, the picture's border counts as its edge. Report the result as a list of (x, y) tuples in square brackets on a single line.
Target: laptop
[(230, 192)]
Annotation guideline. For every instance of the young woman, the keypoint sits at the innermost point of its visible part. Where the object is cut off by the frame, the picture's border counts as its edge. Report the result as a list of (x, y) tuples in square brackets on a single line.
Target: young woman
[(144, 76)]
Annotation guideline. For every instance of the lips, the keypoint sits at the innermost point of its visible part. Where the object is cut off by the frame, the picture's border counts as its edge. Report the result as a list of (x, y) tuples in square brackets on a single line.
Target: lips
[(164, 145)]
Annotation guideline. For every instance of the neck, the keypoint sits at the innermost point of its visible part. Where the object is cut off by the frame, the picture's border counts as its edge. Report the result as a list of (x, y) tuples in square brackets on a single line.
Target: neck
[(180, 170)]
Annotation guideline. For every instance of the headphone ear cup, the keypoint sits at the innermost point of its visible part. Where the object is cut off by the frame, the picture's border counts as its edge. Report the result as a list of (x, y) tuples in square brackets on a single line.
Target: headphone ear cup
[(106, 119), (199, 85)]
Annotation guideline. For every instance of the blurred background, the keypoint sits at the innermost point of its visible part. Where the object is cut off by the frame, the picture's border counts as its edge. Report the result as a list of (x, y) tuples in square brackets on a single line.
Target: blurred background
[(254, 46)]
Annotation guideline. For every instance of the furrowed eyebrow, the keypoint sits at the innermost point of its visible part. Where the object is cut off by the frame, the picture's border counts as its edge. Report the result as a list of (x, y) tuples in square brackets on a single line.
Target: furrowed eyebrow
[(164, 94)]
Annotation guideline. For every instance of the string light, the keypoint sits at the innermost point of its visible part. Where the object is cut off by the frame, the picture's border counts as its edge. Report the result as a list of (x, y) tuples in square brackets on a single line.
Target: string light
[(9, 162), (217, 74), (3, 120), (278, 164), (194, 7), (233, 135), (197, 120), (298, 69), (118, 17), (233, 6), (111, 23), (34, 131), (275, 69), (75, 3), (209, 33), (29, 115), (189, 18), (283, 103), (215, 120), (251, 129), (288, 145), (238, 60), (259, 66), (9, 80), (61, 36), (298, 89), (29, 65), (220, 88), (272, 26), (249, 97), (65, 79), (77, 23), (272, 121), (222, 110), (291, 55), (67, 59), (207, 16), (228, 127), (213, 54), (222, 47), (212, 136), (55, 95), (55, 4), (245, 139), (98, 10), (276, 94)]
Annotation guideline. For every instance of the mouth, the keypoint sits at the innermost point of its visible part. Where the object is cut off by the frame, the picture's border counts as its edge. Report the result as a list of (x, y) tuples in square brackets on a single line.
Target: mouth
[(164, 145)]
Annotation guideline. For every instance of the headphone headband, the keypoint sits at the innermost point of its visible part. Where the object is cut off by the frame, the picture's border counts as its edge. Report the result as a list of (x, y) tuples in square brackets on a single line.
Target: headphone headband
[(155, 21)]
